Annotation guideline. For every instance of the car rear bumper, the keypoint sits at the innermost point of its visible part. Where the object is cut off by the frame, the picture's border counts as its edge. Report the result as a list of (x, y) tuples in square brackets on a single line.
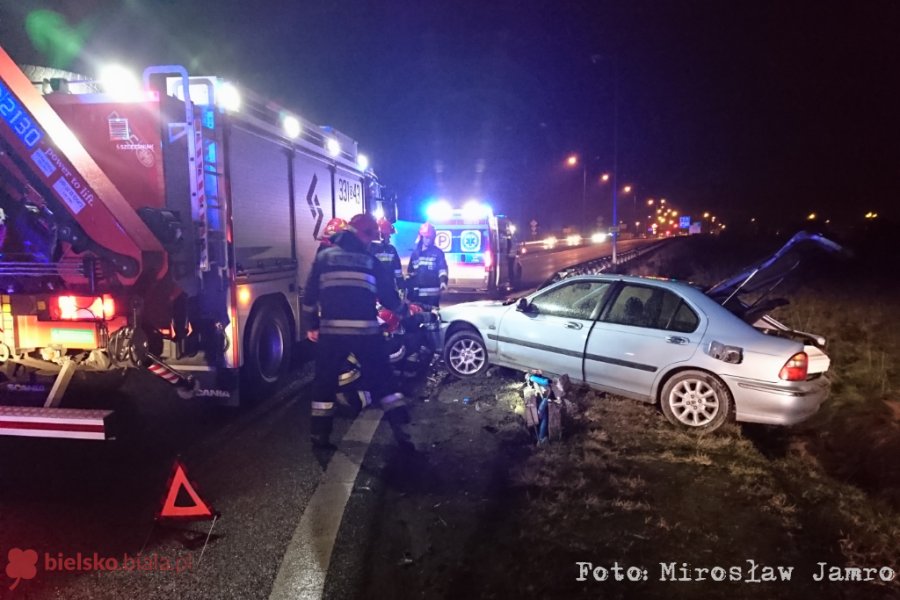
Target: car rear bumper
[(777, 404)]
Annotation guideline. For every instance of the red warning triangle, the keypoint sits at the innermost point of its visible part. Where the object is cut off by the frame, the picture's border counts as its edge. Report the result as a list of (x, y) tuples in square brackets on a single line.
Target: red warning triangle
[(179, 481)]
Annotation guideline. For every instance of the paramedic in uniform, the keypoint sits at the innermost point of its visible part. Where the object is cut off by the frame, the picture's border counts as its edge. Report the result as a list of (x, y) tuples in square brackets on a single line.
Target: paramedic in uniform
[(339, 314), (427, 269), (387, 253)]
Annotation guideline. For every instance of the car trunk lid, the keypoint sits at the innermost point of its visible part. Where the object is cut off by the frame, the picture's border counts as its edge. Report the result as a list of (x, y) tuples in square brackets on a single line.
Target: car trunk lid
[(758, 280)]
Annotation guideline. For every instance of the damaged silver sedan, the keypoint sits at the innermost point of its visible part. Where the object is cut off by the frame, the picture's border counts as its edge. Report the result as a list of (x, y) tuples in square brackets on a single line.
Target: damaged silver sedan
[(705, 356)]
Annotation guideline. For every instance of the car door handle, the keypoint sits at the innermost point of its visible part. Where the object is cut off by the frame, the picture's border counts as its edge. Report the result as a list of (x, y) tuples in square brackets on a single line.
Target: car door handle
[(574, 325), (676, 339)]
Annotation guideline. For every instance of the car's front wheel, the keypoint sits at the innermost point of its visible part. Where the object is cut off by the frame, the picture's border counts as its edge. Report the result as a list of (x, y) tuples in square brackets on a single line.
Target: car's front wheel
[(466, 354), (696, 400)]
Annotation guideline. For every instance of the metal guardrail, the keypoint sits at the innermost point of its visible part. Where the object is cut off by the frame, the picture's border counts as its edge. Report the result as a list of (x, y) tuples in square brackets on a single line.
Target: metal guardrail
[(596, 266)]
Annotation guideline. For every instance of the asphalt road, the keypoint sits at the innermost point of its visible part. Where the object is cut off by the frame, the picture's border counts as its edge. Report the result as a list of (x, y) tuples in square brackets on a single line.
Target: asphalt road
[(254, 465), (539, 266)]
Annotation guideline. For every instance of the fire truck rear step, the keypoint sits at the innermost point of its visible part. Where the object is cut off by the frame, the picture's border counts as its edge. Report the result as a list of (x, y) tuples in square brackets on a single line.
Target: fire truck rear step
[(72, 423)]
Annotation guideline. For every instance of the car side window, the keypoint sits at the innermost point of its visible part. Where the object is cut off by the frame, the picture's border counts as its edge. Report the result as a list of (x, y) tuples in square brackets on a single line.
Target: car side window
[(575, 300), (628, 307), (684, 320), (656, 308)]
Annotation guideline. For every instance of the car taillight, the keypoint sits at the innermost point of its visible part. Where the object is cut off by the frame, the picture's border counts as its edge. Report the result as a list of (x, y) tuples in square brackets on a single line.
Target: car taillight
[(795, 368), (488, 260), (83, 308)]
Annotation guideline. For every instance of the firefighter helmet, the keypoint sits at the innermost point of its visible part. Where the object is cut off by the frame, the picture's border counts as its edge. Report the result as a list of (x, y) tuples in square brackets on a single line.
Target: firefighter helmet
[(332, 227), (427, 230), (386, 227), (365, 225)]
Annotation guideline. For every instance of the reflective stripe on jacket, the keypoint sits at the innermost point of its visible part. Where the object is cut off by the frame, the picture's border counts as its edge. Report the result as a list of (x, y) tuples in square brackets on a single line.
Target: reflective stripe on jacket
[(390, 258), (427, 269), (340, 293)]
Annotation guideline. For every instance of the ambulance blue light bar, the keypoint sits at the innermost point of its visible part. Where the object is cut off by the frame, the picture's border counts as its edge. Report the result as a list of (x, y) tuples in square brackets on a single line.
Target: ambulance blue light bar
[(439, 210), (474, 210)]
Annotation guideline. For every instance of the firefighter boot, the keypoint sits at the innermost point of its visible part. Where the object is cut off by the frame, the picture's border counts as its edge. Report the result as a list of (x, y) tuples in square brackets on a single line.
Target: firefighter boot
[(320, 432), (397, 418), (320, 441)]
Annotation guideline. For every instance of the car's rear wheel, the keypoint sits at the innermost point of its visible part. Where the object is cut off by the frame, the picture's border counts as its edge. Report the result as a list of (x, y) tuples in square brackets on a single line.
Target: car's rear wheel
[(466, 354), (697, 401)]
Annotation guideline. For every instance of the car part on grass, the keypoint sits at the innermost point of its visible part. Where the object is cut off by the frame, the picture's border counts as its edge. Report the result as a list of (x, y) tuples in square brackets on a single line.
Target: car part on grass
[(544, 408)]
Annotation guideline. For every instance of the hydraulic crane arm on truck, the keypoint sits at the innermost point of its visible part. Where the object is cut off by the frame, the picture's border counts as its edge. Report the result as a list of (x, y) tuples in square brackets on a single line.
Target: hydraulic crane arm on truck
[(170, 230)]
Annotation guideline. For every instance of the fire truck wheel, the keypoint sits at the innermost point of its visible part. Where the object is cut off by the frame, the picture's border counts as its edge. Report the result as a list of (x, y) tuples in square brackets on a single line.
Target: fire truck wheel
[(268, 350)]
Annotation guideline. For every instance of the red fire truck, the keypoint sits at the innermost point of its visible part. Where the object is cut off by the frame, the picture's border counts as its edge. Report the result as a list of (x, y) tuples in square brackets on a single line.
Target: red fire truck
[(171, 229)]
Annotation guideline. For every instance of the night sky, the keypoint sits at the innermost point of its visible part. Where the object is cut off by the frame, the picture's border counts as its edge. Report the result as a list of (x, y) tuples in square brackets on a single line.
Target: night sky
[(748, 109)]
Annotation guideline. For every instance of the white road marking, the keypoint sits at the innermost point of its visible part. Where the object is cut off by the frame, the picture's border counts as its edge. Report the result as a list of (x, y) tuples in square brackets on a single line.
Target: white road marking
[(305, 563)]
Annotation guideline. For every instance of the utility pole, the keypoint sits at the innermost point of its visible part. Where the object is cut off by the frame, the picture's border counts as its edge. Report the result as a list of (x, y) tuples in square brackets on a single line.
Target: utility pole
[(615, 194), (583, 192)]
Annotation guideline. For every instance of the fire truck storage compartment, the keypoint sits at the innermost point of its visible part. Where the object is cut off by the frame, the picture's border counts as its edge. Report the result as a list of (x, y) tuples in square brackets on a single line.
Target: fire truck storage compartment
[(259, 172)]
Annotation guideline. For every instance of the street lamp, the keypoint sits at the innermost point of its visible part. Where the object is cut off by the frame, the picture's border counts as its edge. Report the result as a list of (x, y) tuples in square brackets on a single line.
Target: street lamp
[(572, 161), (632, 189)]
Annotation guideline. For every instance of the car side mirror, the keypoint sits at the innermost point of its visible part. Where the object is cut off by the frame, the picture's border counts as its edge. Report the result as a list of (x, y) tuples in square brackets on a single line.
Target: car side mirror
[(523, 305)]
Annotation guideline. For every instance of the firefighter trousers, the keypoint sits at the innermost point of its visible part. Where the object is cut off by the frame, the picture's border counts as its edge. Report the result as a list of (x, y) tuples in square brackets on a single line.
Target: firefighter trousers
[(377, 380)]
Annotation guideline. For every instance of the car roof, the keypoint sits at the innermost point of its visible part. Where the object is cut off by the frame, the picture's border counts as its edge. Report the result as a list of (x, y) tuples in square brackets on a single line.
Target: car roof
[(689, 290), (627, 278)]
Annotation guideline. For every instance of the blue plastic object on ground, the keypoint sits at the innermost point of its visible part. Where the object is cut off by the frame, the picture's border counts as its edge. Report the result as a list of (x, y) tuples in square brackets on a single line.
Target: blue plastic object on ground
[(539, 380), (545, 421)]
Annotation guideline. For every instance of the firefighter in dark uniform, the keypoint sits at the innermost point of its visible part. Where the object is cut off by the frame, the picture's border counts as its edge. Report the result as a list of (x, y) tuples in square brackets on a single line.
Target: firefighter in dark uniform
[(339, 314), (427, 269), (387, 253)]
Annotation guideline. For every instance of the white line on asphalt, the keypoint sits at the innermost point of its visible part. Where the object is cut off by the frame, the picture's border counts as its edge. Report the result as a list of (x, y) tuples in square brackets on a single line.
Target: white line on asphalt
[(305, 563)]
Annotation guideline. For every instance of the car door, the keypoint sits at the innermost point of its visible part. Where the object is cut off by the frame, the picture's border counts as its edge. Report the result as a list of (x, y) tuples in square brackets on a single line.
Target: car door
[(550, 334), (644, 329)]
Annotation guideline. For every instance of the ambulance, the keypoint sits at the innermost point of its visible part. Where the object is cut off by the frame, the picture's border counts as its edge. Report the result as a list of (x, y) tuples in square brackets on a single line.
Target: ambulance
[(480, 247)]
